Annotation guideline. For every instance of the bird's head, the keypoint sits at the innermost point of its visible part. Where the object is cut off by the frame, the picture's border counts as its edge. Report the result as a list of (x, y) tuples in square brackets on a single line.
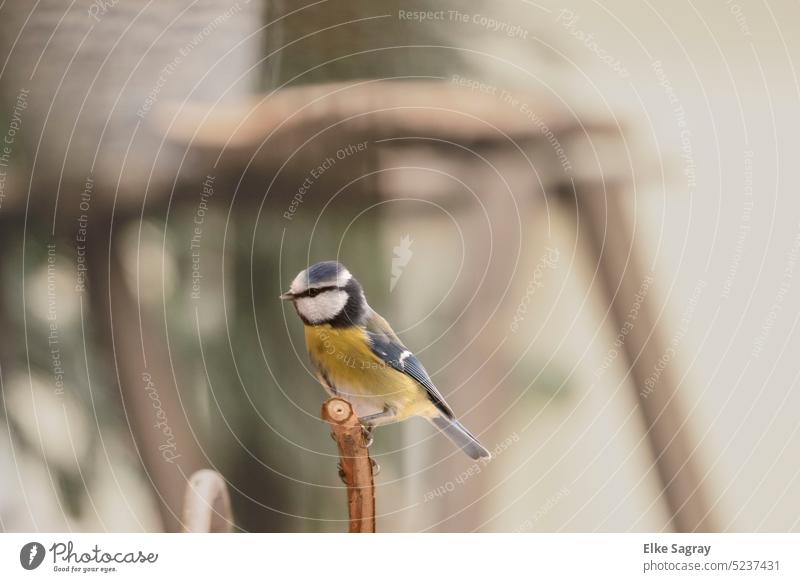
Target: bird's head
[(327, 293)]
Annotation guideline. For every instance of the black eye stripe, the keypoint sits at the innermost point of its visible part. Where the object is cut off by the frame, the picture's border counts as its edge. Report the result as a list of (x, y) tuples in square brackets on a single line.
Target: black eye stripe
[(316, 291)]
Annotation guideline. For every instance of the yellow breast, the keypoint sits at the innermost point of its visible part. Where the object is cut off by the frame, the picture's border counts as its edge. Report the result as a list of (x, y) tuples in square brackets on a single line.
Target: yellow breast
[(344, 357)]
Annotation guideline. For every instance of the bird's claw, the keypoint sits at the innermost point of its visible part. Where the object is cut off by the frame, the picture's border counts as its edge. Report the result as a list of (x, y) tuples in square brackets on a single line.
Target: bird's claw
[(366, 430), (376, 468), (341, 473)]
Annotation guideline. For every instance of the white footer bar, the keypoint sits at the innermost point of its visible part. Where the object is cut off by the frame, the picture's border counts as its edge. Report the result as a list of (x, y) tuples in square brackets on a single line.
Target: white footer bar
[(401, 557)]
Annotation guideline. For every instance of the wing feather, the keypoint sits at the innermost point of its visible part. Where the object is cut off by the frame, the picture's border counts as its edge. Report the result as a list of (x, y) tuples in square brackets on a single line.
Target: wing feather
[(387, 346)]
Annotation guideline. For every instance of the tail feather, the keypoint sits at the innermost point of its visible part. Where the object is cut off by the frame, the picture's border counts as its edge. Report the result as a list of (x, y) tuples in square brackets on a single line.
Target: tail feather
[(456, 432)]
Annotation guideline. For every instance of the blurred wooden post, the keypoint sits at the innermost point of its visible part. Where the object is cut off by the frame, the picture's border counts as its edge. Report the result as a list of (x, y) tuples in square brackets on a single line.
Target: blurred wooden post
[(207, 505), (355, 463), (157, 419), (613, 249)]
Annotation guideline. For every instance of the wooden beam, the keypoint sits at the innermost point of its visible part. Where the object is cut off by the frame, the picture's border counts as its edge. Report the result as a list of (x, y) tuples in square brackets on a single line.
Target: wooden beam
[(612, 247)]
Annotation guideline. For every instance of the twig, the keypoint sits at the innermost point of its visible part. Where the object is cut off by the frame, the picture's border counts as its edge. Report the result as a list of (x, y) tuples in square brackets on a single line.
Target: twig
[(355, 463), (207, 506)]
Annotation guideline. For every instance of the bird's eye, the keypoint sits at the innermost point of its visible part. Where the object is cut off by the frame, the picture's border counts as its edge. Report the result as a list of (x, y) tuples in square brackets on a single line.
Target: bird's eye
[(313, 292)]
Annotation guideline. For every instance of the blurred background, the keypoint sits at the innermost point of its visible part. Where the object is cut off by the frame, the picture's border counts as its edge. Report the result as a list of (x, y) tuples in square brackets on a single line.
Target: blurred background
[(578, 215)]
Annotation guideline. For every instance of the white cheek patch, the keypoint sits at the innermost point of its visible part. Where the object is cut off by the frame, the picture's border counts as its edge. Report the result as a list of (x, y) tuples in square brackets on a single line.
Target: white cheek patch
[(343, 277), (323, 307)]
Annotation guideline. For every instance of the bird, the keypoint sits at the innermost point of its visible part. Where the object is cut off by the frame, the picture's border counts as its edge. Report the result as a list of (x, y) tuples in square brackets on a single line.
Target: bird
[(357, 356)]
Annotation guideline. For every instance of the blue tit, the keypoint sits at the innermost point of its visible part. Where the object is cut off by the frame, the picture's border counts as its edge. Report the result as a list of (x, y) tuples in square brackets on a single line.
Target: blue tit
[(357, 356)]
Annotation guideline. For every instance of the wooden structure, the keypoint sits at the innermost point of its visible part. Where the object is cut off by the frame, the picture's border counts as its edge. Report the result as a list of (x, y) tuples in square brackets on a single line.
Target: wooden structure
[(274, 139), (260, 149)]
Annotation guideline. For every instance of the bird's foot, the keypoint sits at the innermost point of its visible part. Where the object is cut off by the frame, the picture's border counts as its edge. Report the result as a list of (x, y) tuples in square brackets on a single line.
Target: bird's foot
[(366, 430), (372, 420)]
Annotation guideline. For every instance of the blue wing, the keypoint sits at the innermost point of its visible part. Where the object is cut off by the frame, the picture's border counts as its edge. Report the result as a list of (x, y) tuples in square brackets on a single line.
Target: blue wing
[(386, 345)]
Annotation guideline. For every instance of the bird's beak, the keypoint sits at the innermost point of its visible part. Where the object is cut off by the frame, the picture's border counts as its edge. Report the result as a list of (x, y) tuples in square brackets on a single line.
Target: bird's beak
[(286, 296)]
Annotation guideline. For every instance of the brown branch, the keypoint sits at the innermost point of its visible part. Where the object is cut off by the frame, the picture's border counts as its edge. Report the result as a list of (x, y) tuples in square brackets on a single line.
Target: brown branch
[(207, 506), (355, 463)]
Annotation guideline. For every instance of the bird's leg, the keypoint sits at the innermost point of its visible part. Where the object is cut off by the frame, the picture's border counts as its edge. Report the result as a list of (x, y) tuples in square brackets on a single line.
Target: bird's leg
[(372, 420), (369, 422)]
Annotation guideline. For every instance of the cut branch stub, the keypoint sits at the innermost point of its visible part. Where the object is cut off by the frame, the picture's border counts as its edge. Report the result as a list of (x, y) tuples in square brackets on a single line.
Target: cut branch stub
[(355, 463), (338, 410)]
